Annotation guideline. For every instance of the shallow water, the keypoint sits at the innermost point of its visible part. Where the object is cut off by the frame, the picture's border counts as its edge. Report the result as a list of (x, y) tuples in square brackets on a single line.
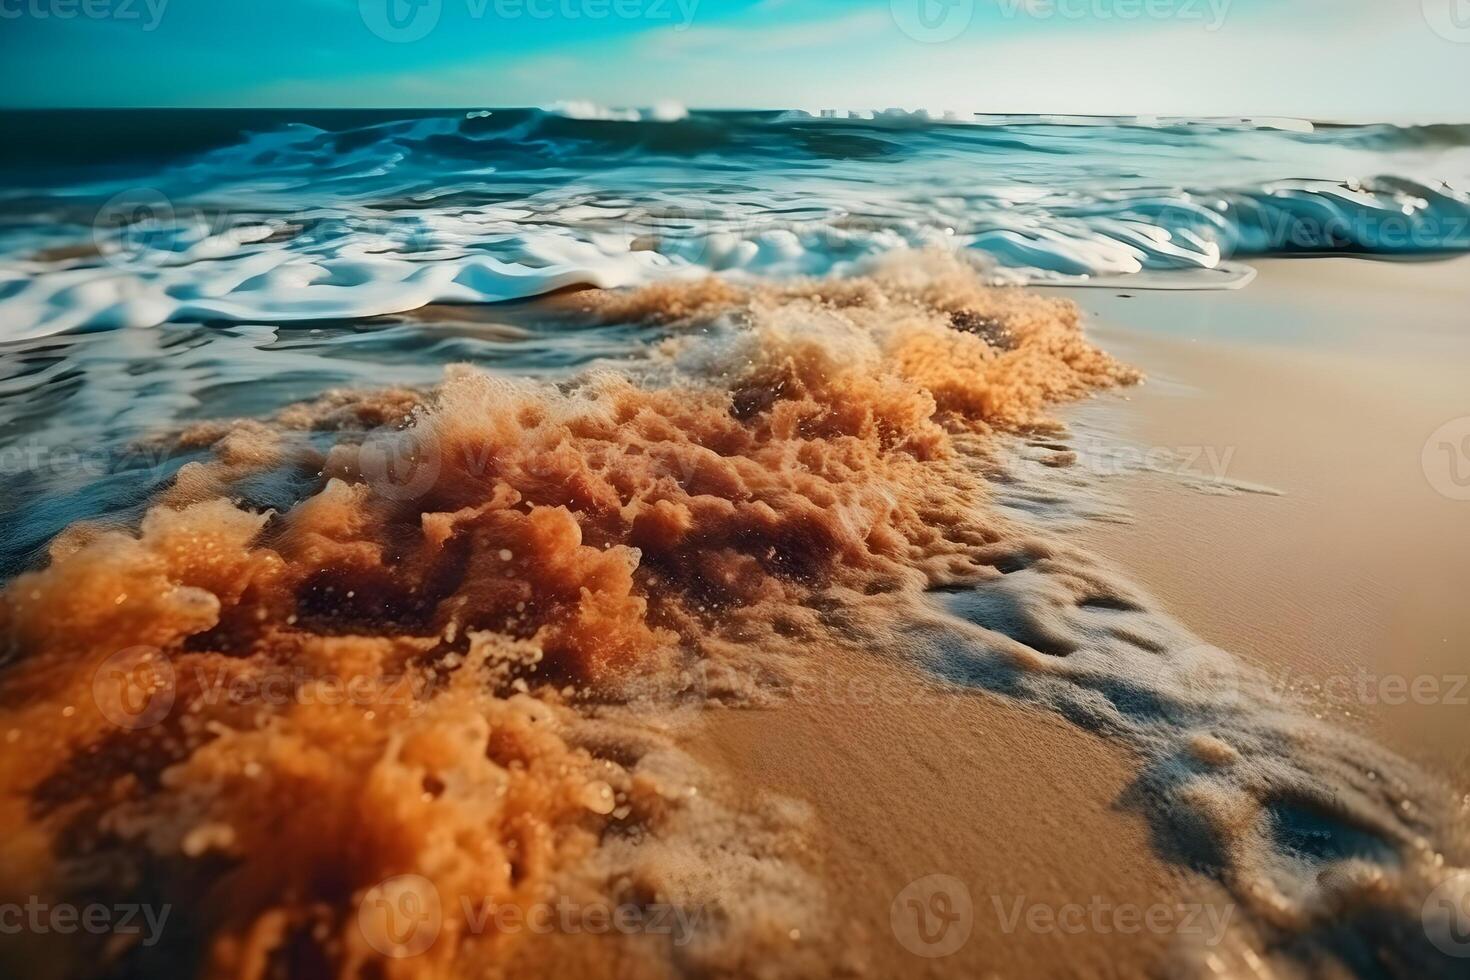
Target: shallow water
[(78, 411)]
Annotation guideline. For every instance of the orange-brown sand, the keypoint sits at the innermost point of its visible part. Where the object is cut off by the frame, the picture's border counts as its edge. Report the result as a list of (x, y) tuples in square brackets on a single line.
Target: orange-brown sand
[(1325, 380), (1023, 809)]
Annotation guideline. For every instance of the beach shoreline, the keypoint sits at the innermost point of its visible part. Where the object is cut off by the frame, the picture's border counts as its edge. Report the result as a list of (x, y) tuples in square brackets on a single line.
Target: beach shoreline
[(1003, 732), (1013, 801), (1323, 382)]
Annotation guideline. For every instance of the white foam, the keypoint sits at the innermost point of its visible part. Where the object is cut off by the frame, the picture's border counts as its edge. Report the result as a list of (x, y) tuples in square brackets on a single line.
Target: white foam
[(665, 111), (190, 272)]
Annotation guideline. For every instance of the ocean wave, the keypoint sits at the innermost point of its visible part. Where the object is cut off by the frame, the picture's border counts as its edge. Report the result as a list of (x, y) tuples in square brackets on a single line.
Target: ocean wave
[(39, 142), (341, 215), (188, 267)]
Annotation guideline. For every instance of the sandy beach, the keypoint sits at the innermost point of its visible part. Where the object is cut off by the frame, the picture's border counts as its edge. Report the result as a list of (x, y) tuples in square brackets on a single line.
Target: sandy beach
[(1324, 380), (1341, 580), (1022, 808)]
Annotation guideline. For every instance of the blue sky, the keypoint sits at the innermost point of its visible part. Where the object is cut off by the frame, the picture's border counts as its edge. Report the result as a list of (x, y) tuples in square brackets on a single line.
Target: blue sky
[(1337, 59)]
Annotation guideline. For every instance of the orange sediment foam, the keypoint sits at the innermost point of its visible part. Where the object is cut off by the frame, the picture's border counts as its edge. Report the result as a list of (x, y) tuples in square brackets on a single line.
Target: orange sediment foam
[(527, 582), (552, 545)]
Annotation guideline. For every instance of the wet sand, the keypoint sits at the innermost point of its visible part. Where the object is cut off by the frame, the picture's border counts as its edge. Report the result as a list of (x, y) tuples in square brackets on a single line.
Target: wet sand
[(1324, 380), (1020, 806)]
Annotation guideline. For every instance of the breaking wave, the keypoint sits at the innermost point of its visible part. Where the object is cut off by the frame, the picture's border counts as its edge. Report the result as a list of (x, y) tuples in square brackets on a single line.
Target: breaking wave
[(255, 217)]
